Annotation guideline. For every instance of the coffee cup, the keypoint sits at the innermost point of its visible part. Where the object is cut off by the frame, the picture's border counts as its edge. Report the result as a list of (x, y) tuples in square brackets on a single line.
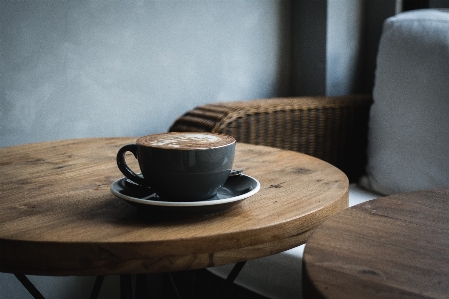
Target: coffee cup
[(181, 166)]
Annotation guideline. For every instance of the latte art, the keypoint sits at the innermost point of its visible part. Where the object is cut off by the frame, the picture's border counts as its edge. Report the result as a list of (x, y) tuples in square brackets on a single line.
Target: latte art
[(180, 140), (183, 140)]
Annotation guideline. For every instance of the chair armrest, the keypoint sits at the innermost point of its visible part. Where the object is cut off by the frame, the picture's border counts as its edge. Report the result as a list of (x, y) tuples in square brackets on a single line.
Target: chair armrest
[(333, 129)]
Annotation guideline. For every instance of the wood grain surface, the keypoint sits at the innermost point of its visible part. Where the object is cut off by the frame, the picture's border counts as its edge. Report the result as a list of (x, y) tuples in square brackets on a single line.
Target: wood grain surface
[(391, 247), (58, 216)]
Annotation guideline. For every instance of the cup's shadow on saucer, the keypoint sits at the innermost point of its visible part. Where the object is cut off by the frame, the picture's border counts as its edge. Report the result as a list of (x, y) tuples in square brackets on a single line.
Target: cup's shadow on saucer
[(236, 189)]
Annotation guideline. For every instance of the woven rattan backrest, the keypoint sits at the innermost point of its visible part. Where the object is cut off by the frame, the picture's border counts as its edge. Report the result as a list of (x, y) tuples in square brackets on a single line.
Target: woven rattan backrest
[(331, 128)]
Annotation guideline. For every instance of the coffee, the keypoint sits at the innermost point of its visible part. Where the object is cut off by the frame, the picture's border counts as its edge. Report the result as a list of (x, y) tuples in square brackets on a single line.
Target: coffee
[(181, 166), (185, 141)]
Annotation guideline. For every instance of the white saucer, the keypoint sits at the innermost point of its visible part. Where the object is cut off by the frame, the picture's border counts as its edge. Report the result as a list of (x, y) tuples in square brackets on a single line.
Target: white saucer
[(235, 189)]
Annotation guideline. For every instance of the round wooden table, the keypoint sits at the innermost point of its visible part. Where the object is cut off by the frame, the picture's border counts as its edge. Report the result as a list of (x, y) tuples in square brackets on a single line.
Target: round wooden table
[(390, 247), (59, 217)]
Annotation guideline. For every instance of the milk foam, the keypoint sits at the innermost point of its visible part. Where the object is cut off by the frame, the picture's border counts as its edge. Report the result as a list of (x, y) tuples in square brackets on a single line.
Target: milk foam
[(186, 140), (180, 140)]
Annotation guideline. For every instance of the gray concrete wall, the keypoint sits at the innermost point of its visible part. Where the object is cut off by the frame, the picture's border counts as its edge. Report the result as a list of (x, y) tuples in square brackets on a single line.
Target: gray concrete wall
[(72, 69), (344, 47)]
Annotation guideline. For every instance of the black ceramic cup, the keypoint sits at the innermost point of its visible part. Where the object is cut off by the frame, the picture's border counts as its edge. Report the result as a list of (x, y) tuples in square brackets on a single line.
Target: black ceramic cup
[(181, 166)]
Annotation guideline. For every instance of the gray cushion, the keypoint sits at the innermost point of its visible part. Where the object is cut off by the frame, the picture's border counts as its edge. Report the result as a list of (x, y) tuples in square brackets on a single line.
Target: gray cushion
[(409, 124)]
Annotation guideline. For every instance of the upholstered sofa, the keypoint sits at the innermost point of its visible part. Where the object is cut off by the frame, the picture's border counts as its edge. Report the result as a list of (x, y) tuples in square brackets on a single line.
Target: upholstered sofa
[(392, 141)]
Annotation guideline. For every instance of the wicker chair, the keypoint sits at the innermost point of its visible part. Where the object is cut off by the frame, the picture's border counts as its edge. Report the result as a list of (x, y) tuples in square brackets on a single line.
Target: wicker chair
[(333, 129)]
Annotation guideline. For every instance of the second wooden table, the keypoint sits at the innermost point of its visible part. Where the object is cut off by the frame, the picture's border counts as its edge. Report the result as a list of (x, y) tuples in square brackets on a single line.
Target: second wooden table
[(390, 247)]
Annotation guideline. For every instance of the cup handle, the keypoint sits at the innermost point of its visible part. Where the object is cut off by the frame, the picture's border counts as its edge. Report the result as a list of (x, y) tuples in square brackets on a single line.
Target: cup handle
[(121, 163), (236, 172)]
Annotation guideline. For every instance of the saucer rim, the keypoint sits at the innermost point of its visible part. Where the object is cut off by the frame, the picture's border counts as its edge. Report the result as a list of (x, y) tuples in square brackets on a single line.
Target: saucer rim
[(147, 201)]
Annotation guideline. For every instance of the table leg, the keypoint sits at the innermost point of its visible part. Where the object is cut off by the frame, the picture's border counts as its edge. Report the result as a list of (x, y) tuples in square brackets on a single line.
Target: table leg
[(142, 286), (29, 286), (126, 286), (173, 285), (97, 286), (230, 279), (138, 286)]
